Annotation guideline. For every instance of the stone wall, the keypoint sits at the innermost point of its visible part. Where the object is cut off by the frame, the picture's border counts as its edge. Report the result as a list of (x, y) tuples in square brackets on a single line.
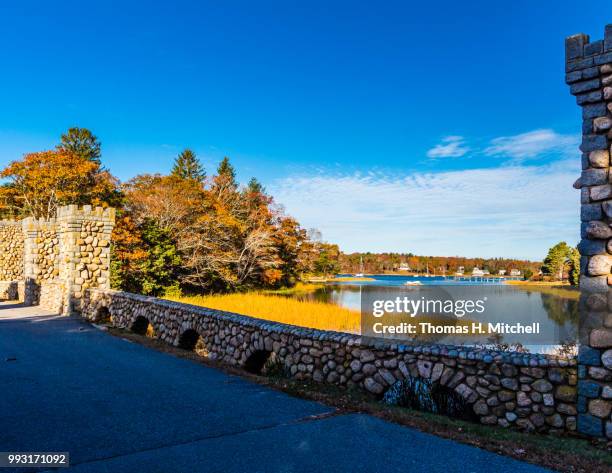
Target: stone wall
[(50, 262), (11, 250), (531, 392)]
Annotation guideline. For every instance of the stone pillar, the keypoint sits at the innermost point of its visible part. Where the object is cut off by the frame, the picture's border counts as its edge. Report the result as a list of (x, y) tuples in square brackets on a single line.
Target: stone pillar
[(589, 75), (84, 236), (30, 261)]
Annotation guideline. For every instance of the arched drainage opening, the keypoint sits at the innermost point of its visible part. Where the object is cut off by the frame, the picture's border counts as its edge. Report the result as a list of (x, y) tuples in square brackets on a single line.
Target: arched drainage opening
[(141, 326), (192, 341), (423, 395), (103, 316), (256, 362)]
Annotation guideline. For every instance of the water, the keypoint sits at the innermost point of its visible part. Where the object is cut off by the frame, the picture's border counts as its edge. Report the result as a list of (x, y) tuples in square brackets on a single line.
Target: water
[(555, 309)]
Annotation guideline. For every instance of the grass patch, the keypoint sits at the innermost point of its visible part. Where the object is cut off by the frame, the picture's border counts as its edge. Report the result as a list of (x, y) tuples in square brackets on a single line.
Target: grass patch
[(299, 289), (554, 289), (277, 308)]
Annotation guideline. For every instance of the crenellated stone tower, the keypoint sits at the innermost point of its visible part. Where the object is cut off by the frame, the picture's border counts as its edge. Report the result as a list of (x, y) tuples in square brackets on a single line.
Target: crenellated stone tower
[(589, 75), (51, 262)]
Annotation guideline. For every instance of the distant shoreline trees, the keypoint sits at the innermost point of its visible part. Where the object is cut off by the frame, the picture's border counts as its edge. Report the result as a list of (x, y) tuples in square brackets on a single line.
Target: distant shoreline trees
[(392, 262)]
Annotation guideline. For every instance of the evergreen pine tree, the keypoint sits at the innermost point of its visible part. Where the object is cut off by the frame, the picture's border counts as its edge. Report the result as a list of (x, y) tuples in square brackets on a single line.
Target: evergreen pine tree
[(556, 259), (188, 166), (81, 142), (225, 180), (255, 187)]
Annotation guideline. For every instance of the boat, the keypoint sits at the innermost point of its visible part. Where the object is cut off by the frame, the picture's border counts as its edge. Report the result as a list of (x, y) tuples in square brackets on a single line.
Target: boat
[(413, 283)]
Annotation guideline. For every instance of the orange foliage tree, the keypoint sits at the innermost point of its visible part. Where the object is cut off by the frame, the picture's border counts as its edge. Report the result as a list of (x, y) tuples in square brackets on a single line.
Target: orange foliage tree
[(42, 181)]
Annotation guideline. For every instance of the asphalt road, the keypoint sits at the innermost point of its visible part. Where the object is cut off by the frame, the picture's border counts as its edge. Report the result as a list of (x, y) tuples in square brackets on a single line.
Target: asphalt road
[(116, 406)]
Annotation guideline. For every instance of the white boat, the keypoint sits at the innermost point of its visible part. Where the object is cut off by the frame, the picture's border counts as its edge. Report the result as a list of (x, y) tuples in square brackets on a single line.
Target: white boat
[(413, 283)]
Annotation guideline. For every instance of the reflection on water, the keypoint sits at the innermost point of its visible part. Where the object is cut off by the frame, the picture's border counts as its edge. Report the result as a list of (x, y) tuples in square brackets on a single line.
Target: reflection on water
[(555, 310)]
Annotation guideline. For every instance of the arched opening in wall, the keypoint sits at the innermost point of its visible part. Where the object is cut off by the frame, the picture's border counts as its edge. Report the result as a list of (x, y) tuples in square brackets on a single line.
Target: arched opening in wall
[(192, 341), (103, 316), (424, 395), (141, 326), (256, 362)]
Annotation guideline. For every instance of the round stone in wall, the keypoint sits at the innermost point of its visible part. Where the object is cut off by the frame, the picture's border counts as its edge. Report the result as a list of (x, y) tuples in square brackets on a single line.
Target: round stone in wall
[(606, 359), (599, 265), (599, 158)]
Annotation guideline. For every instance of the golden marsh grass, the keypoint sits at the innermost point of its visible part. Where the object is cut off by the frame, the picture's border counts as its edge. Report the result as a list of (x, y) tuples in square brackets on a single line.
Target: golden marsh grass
[(311, 314)]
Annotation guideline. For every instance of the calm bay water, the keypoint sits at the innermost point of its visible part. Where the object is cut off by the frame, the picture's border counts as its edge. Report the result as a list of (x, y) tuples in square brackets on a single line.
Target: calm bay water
[(555, 309)]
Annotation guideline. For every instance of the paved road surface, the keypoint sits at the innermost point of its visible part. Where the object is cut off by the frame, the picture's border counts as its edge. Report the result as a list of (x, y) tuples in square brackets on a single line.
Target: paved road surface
[(120, 407)]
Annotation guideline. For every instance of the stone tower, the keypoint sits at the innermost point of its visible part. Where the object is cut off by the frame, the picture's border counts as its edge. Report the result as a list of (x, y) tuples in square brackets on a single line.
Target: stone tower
[(52, 262), (589, 75)]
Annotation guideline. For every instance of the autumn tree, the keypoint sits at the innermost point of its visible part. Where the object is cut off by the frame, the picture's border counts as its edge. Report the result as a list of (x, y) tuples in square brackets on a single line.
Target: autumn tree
[(172, 202), (82, 143), (42, 181), (293, 248), (188, 166), (326, 262), (144, 259), (127, 254)]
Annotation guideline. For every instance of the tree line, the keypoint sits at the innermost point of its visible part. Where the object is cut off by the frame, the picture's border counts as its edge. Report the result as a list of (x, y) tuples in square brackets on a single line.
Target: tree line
[(184, 231), (392, 262)]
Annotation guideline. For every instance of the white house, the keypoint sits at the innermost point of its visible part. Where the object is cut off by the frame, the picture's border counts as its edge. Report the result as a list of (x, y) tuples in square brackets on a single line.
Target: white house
[(515, 272), (404, 267), (501, 272), (477, 272)]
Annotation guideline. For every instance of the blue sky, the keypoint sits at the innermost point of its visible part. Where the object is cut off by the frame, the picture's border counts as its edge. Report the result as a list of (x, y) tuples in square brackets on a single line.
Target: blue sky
[(432, 127)]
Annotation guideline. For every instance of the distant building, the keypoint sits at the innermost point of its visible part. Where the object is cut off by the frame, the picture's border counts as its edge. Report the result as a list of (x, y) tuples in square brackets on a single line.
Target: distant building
[(501, 272), (460, 271), (515, 272), (477, 272), (404, 267)]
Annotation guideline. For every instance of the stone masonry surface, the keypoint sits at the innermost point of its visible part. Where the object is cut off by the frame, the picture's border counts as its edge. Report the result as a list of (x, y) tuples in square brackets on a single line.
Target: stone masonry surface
[(11, 251), (50, 262), (589, 76)]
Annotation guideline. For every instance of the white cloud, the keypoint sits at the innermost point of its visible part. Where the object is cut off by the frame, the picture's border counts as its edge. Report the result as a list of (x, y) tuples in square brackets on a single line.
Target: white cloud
[(532, 144), (515, 211), (451, 147)]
